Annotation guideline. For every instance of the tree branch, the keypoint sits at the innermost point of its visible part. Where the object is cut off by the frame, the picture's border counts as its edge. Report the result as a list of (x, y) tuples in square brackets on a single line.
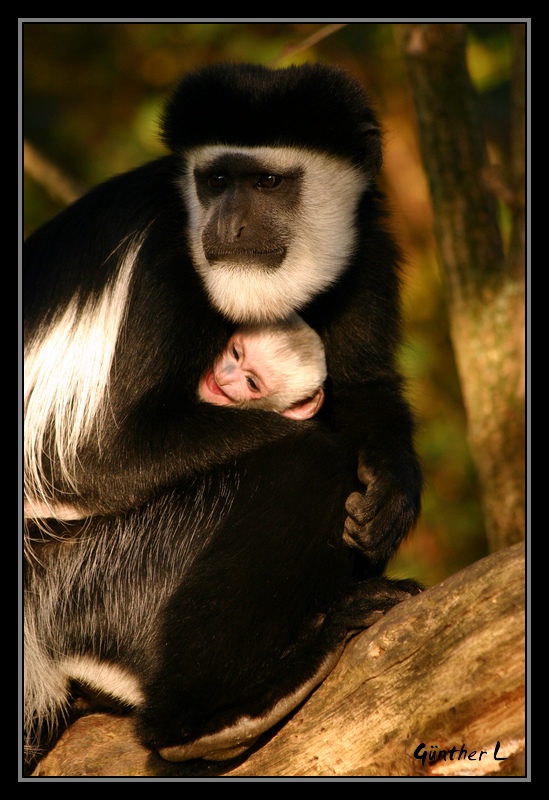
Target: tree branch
[(485, 287), (44, 172)]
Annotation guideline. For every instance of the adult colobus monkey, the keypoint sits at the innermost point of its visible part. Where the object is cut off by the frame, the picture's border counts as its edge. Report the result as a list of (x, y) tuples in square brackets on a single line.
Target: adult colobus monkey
[(212, 584)]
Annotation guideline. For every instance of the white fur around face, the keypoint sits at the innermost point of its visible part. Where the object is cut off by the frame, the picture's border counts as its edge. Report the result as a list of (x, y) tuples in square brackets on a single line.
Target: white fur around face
[(319, 253)]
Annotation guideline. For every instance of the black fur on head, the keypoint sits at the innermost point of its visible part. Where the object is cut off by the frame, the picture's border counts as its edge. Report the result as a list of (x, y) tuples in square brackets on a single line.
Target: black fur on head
[(311, 105)]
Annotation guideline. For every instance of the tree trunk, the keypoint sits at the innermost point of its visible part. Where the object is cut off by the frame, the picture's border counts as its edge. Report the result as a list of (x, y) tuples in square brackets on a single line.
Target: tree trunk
[(485, 287), (442, 670)]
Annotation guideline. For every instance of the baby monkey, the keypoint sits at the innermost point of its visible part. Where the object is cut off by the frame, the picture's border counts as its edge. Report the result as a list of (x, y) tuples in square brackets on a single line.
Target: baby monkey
[(279, 367)]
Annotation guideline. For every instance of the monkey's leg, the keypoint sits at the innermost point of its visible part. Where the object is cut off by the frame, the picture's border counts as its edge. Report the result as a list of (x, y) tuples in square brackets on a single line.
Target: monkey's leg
[(266, 612)]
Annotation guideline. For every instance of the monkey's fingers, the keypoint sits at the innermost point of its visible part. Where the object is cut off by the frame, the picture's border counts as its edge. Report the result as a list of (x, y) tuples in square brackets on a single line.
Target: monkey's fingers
[(359, 509)]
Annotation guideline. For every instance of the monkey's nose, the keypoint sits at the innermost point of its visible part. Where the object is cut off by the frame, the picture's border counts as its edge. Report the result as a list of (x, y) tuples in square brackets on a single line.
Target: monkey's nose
[(228, 367)]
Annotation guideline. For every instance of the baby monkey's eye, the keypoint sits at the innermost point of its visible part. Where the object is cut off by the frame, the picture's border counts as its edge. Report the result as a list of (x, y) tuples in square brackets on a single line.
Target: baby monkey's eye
[(235, 353), (252, 384)]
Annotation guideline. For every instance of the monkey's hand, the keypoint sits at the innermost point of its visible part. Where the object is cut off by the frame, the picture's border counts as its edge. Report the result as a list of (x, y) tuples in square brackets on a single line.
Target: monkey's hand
[(380, 516)]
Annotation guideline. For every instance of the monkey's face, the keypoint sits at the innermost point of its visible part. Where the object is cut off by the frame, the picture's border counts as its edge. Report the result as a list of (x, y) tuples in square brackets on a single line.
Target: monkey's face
[(241, 375), (251, 213), (270, 228)]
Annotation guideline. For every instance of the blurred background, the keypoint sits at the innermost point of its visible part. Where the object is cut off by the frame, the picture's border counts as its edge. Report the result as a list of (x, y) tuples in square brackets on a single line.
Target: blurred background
[(91, 96)]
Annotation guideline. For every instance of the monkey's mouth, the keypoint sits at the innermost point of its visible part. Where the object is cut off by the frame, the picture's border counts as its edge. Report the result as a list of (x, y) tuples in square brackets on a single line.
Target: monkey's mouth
[(230, 256), (213, 385), (210, 391)]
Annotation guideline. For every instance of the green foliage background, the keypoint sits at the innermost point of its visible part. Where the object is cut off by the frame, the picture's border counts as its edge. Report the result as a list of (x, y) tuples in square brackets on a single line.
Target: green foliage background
[(91, 95)]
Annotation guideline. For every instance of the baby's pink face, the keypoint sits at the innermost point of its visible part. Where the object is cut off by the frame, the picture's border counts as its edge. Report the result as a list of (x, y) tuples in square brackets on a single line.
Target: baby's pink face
[(238, 375)]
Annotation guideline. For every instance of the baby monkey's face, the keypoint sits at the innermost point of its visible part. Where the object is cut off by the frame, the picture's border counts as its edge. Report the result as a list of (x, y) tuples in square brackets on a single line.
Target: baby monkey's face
[(239, 375)]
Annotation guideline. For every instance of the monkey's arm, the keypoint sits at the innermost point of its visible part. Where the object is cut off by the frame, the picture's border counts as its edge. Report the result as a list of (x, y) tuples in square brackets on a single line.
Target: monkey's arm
[(379, 424), (153, 450)]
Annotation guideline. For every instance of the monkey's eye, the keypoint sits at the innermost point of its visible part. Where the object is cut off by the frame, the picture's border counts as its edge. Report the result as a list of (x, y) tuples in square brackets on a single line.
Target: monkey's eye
[(217, 181), (269, 181), (252, 384), (235, 353)]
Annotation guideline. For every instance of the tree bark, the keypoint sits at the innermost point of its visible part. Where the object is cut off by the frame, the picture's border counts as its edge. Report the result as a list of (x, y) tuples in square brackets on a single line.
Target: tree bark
[(444, 669), (485, 286)]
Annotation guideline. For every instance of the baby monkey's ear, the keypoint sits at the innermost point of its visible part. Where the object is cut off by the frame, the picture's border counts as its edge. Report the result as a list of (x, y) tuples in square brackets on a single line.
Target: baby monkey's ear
[(305, 409)]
